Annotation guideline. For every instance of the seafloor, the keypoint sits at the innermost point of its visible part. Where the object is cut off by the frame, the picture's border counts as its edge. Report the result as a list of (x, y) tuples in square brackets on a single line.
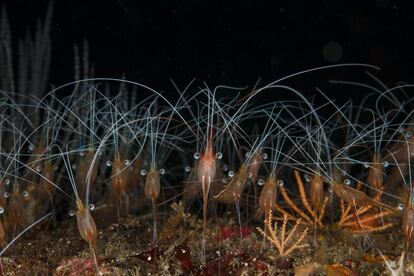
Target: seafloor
[(124, 249)]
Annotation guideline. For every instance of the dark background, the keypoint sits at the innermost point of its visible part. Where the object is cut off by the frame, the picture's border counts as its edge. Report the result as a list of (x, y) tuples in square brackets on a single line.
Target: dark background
[(222, 42)]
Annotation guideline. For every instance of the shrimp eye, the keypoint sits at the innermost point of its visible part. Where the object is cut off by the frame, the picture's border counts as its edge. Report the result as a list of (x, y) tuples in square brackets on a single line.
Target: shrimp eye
[(196, 155)]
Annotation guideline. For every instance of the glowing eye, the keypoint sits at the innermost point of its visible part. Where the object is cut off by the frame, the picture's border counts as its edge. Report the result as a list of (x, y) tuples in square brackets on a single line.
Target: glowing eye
[(108, 163), (408, 134), (73, 166), (162, 171), (230, 173), (72, 213), (31, 148), (187, 168), (91, 207), (196, 155), (219, 155), (265, 156), (347, 182), (1, 210), (143, 172), (260, 182), (25, 193), (280, 183), (126, 162), (400, 206), (6, 195), (82, 154), (386, 164), (7, 182), (307, 178), (225, 168), (100, 153), (247, 155), (366, 165)]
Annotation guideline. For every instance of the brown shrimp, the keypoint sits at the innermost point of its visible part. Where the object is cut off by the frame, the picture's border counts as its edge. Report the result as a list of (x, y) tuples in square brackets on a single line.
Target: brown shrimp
[(206, 172), (152, 192), (317, 193), (119, 184), (376, 175), (233, 190), (87, 229), (267, 199)]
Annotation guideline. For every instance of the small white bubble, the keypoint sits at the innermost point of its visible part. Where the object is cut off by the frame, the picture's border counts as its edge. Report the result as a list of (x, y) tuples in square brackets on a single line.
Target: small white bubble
[(162, 171), (143, 172), (91, 207), (347, 182), (219, 155), (71, 213), (82, 153), (400, 206), (1, 210), (6, 195), (108, 163), (149, 258), (386, 164), (126, 162), (261, 182), (230, 173), (265, 156), (187, 168)]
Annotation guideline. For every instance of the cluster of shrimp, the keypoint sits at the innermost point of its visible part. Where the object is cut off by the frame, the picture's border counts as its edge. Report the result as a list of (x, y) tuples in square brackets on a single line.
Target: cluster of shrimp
[(100, 143)]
